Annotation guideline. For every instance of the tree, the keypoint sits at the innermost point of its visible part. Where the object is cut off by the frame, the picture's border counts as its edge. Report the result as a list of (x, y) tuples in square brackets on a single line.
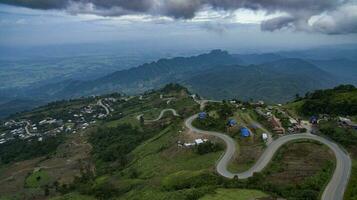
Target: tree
[(142, 120), (225, 111)]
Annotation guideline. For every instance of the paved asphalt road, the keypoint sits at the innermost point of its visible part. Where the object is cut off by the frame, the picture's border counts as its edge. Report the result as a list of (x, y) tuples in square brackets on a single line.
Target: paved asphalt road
[(160, 116), (105, 107), (333, 191)]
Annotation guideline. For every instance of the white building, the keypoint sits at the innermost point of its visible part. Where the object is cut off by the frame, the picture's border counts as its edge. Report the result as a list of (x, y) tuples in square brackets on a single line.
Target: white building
[(199, 141), (264, 136)]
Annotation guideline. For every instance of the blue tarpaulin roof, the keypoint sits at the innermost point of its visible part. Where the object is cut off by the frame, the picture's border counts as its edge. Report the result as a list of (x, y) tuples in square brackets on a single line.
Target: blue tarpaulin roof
[(202, 115), (245, 132)]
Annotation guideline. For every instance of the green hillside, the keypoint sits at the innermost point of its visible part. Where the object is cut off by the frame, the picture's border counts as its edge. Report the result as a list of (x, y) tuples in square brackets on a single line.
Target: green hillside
[(341, 100), (121, 156)]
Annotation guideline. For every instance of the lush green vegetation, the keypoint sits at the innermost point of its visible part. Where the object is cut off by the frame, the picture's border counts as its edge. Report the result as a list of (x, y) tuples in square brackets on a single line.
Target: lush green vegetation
[(217, 121), (351, 192), (113, 144), (37, 179), (305, 186), (341, 100), (346, 137), (17, 150), (139, 161), (234, 194), (208, 147), (210, 123), (73, 196), (173, 87), (190, 179)]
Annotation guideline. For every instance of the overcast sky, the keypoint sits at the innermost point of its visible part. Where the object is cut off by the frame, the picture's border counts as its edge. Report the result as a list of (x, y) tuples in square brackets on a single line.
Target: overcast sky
[(227, 24)]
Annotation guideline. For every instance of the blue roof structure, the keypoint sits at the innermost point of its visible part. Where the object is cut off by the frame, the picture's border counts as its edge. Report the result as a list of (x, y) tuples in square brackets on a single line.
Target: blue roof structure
[(313, 119), (244, 132), (232, 122), (202, 115)]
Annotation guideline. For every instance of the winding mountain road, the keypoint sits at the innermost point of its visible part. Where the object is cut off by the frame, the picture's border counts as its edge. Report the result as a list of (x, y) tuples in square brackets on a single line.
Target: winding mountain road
[(333, 191), (160, 116), (100, 103)]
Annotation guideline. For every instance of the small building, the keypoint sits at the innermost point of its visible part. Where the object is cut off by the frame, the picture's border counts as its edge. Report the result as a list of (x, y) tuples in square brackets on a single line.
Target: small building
[(293, 121), (202, 115), (260, 102), (189, 144), (347, 122), (244, 132), (232, 122), (265, 136), (199, 141), (313, 119), (276, 124)]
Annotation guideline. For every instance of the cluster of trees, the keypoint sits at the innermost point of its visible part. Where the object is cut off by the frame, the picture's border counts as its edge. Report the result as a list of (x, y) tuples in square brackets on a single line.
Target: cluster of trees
[(209, 123), (309, 189), (113, 144), (17, 150), (346, 137), (208, 147), (224, 111), (173, 87), (191, 185), (339, 100), (190, 179)]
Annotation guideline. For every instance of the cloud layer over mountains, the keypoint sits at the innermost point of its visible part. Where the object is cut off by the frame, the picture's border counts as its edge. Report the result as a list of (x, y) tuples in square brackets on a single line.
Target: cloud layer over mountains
[(326, 16)]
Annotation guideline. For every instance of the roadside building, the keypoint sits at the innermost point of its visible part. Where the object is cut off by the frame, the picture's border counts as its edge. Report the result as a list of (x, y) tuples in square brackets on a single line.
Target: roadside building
[(313, 119), (293, 121), (347, 122), (276, 124), (199, 141), (265, 136)]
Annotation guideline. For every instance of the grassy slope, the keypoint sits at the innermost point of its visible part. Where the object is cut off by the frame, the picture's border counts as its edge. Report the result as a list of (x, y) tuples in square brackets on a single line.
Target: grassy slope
[(37, 179), (234, 194), (158, 158), (351, 192), (73, 196)]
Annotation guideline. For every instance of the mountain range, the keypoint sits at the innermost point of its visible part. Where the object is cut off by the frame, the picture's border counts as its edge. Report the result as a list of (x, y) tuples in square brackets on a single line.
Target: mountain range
[(273, 77)]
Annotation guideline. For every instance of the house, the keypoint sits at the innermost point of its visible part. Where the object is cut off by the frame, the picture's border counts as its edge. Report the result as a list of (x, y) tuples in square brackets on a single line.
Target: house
[(313, 119), (260, 102), (189, 144), (277, 127), (293, 121), (199, 141), (347, 122), (244, 132), (265, 136)]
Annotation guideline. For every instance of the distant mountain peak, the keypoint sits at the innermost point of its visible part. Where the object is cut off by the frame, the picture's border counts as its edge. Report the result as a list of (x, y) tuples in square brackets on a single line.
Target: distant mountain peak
[(218, 51)]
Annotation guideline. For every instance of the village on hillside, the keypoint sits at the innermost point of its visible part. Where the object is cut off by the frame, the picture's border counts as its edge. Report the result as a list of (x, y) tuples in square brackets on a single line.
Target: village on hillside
[(71, 122)]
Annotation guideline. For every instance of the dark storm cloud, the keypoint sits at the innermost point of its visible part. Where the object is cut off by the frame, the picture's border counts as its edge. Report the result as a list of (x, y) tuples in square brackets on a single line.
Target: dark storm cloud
[(298, 12), (277, 23), (38, 4)]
